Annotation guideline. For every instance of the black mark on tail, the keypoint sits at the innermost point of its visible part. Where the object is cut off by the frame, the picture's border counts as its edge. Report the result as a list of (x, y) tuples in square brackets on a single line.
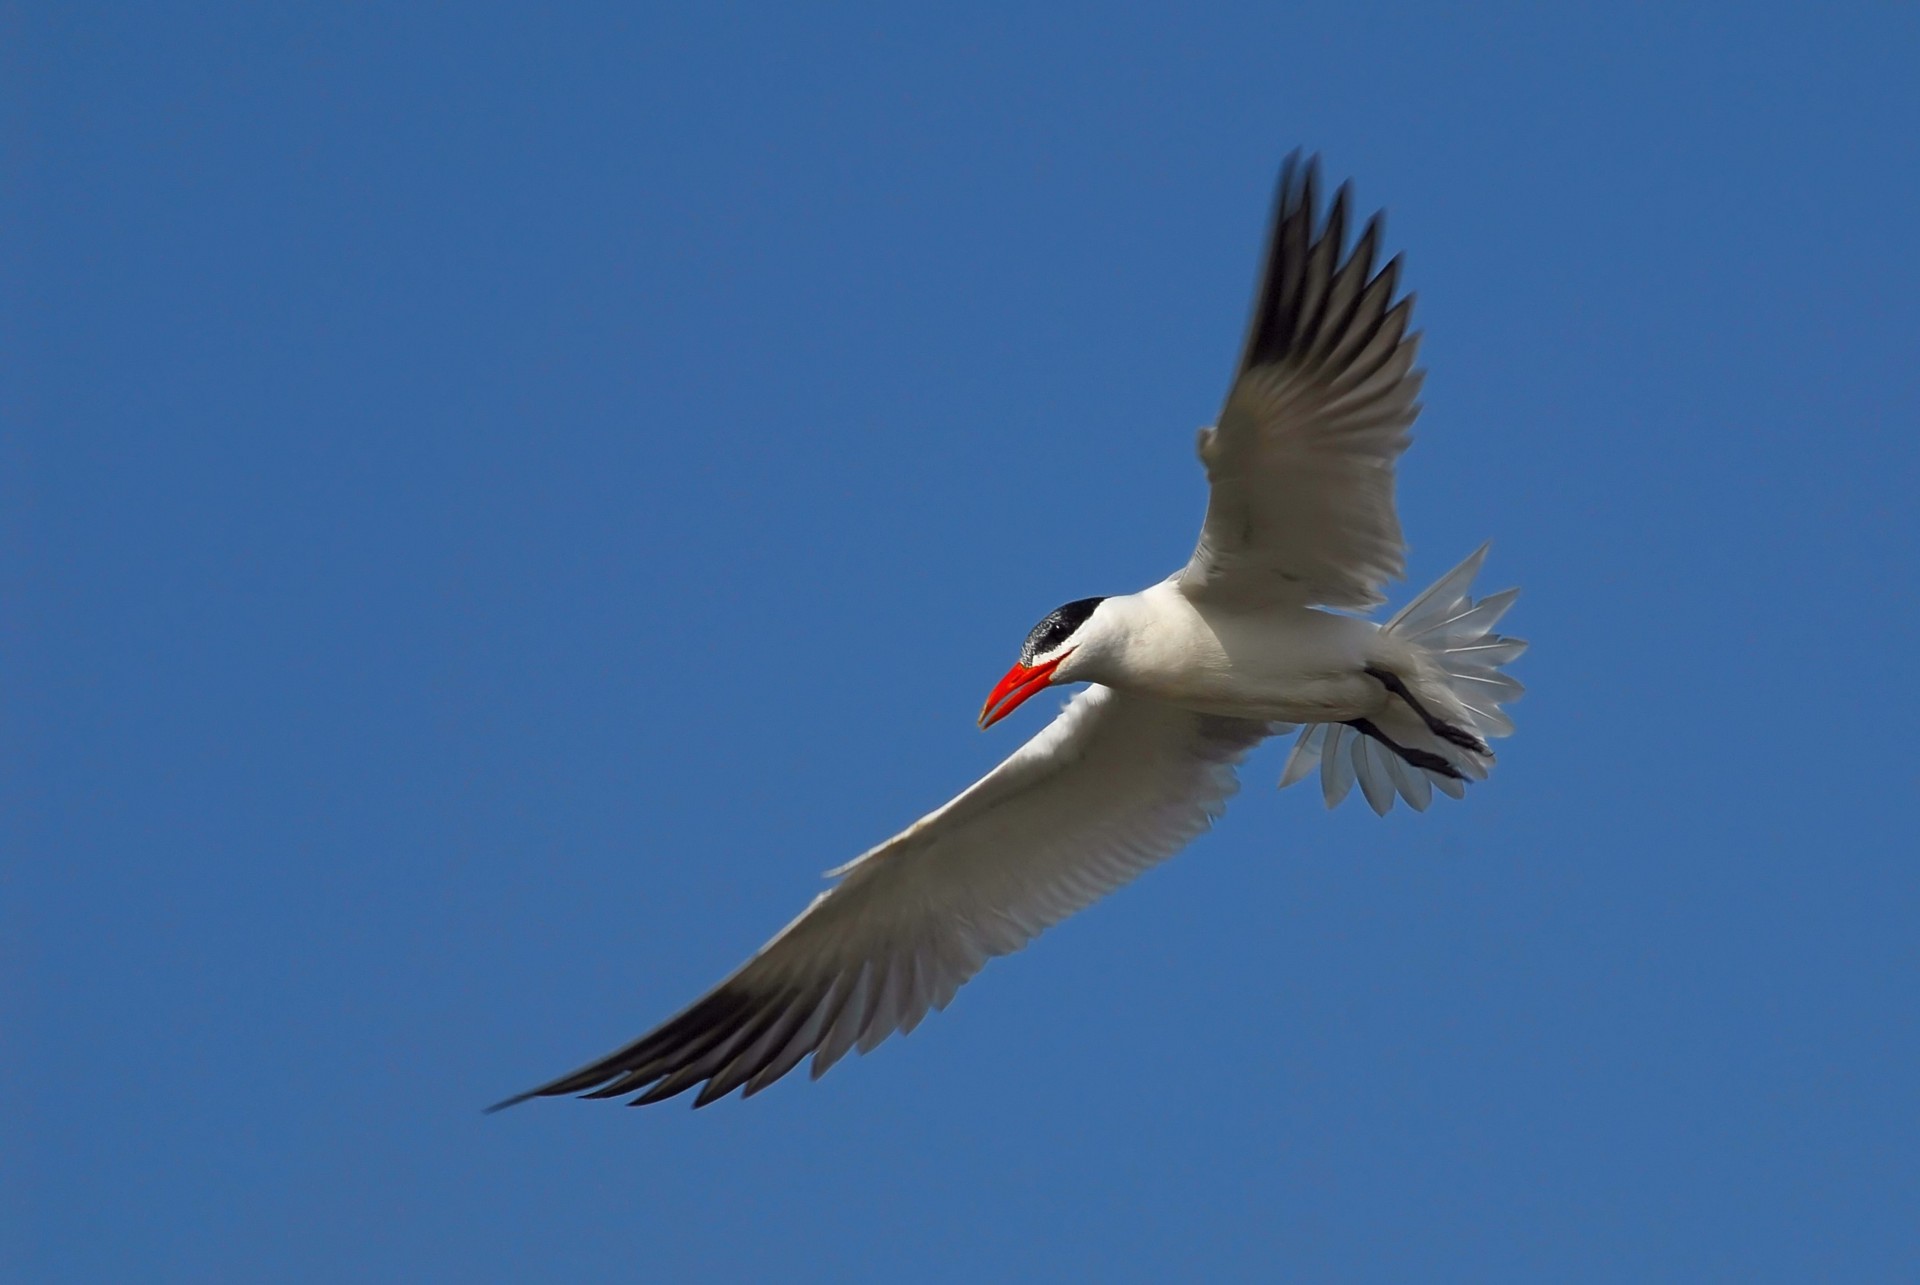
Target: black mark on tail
[(1446, 731), (1419, 758)]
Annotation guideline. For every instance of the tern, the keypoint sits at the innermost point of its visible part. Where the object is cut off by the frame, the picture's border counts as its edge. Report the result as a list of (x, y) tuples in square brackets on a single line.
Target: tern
[(1258, 635)]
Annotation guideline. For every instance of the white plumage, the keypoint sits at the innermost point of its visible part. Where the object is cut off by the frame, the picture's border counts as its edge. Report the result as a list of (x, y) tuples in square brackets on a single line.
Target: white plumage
[(1187, 676)]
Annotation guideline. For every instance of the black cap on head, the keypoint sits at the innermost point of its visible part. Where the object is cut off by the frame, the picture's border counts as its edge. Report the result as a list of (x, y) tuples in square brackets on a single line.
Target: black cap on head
[(1057, 628)]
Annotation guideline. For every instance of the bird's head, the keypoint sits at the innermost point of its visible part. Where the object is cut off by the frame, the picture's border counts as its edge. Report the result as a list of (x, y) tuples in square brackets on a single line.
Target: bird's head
[(1044, 658)]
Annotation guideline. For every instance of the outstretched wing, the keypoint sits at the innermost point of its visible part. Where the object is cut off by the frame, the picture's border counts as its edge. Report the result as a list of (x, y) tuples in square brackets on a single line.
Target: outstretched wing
[(1302, 461), (1113, 785)]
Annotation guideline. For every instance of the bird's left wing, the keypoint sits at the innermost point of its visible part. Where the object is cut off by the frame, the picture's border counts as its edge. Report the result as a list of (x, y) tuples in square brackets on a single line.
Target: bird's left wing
[(1302, 461), (1113, 785)]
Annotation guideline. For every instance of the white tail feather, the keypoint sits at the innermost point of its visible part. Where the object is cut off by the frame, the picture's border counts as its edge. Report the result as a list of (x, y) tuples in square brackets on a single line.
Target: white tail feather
[(1456, 632)]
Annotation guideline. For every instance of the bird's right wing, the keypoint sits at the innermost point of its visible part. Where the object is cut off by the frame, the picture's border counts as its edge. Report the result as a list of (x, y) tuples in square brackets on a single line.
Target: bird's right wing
[(1113, 785)]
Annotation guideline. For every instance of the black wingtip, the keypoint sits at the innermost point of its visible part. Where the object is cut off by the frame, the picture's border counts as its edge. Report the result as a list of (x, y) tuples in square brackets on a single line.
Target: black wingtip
[(1288, 164), (513, 1101), (1298, 184)]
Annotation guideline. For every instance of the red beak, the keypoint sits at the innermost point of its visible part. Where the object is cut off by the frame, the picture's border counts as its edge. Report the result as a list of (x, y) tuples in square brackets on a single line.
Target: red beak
[(1013, 690)]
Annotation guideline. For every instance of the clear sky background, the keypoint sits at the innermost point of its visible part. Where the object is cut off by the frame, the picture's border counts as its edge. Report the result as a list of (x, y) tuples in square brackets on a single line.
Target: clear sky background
[(496, 500)]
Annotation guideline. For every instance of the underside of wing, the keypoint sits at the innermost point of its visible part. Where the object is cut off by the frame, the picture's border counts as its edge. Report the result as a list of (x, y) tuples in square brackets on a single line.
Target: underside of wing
[(1112, 786), (1302, 461)]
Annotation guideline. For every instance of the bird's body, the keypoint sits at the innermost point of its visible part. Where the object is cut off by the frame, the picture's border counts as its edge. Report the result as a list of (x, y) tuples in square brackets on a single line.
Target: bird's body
[(1278, 663), (1184, 678)]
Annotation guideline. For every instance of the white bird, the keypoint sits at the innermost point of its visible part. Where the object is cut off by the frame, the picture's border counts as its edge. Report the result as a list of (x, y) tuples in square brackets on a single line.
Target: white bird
[(1185, 678)]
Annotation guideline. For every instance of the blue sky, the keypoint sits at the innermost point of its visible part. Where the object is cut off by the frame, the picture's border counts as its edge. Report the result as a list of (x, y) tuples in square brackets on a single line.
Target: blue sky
[(495, 501)]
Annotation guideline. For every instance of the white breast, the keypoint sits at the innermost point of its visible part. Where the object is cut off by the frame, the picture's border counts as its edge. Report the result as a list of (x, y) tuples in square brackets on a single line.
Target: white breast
[(1287, 664)]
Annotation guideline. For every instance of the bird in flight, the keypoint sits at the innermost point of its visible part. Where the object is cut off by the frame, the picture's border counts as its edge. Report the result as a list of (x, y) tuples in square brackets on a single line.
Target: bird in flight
[(1258, 635)]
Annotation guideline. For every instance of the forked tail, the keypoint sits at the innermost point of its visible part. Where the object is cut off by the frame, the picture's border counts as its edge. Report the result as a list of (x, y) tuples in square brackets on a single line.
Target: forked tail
[(1457, 634)]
